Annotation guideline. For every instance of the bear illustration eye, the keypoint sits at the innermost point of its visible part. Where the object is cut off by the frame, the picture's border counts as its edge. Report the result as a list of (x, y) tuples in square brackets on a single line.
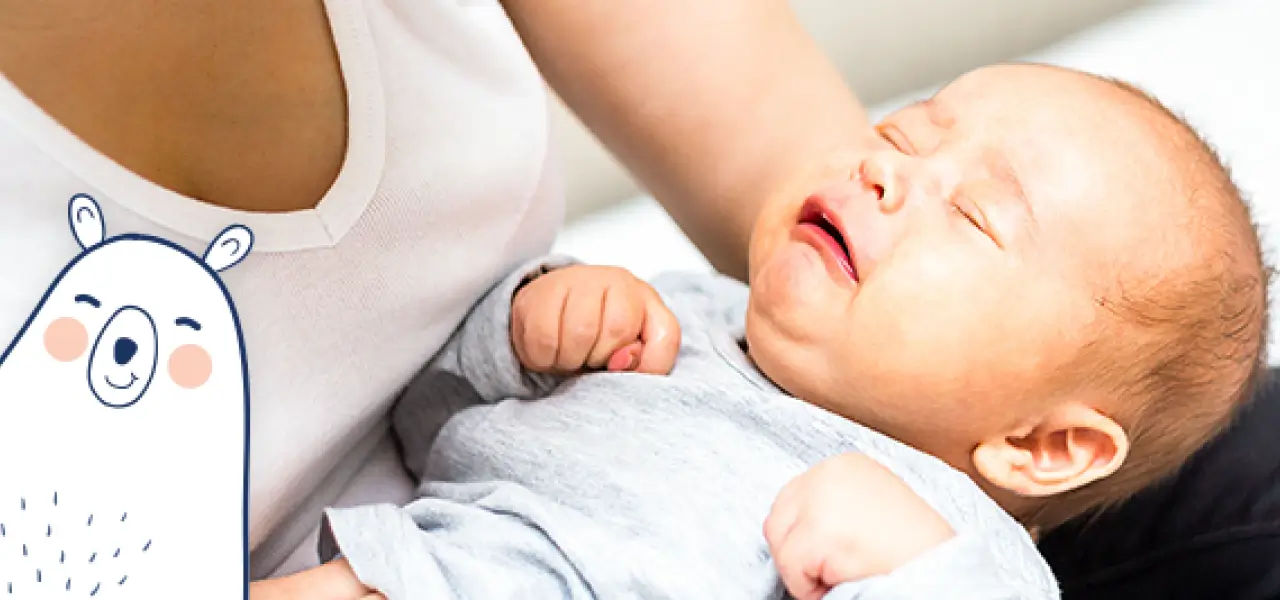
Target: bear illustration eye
[(187, 322), (87, 299), (190, 366), (66, 339)]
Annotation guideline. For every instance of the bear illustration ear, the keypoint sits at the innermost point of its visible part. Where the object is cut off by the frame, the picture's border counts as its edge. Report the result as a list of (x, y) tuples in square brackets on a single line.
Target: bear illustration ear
[(86, 219), (229, 248)]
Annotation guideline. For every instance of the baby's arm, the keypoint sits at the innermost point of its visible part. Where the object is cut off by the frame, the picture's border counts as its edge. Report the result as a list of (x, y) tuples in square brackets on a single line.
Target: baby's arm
[(480, 355), (849, 529), (548, 319), (466, 540)]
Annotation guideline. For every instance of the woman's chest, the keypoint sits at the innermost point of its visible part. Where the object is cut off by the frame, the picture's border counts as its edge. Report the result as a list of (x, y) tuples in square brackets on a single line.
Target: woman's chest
[(237, 103)]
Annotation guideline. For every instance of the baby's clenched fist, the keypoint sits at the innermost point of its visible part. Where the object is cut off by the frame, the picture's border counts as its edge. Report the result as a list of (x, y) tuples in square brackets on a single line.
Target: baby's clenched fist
[(846, 519), (589, 317)]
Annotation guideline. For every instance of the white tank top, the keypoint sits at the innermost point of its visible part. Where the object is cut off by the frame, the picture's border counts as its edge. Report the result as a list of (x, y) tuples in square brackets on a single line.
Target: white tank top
[(447, 184)]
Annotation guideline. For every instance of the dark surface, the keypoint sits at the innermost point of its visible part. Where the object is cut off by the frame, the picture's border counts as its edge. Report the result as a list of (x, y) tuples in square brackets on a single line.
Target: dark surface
[(1213, 531)]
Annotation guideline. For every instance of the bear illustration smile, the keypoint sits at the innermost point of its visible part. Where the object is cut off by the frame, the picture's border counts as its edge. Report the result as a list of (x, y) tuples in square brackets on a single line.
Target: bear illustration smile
[(132, 379)]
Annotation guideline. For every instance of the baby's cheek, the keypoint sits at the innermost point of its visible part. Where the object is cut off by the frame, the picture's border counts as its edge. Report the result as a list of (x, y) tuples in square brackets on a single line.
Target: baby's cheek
[(786, 278), (66, 339), (190, 366)]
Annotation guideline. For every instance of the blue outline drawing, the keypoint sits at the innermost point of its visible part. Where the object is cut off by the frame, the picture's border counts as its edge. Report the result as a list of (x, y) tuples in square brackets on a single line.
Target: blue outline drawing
[(93, 359), (228, 249)]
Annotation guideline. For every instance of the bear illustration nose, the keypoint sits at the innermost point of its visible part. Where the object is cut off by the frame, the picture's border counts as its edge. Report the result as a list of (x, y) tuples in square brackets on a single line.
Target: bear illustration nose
[(125, 349)]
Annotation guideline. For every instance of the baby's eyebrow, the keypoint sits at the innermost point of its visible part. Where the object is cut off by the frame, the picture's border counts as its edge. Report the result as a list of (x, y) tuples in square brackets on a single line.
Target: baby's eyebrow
[(1003, 170), (936, 114)]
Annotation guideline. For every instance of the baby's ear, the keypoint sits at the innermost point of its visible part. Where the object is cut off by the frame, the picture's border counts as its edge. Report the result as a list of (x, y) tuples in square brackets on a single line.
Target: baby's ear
[(1070, 447)]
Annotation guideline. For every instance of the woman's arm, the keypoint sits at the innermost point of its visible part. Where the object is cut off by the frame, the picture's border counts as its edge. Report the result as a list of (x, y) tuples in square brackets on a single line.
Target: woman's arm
[(713, 104)]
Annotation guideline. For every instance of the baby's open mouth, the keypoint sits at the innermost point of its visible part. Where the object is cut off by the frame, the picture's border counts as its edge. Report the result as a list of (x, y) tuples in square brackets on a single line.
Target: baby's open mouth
[(823, 226)]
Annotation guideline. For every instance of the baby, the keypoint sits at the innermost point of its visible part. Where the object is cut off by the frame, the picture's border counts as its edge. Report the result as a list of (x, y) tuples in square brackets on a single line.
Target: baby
[(1037, 294)]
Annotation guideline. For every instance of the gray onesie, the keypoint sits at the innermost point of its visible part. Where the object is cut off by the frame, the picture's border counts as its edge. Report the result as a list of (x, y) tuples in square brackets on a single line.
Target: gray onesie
[(624, 485)]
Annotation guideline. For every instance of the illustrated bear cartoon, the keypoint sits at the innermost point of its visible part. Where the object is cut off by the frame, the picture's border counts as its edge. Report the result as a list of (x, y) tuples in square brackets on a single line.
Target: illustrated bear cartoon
[(124, 408)]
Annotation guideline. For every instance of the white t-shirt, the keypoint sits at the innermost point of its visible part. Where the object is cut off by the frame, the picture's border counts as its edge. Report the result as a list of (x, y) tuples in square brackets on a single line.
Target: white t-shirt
[(448, 183)]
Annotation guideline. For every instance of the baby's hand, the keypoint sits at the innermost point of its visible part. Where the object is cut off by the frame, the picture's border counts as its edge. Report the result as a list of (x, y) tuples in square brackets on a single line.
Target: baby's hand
[(848, 518), (588, 317)]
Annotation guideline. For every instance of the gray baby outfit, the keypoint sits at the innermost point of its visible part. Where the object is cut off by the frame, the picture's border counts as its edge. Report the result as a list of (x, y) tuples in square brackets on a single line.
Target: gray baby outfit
[(625, 485)]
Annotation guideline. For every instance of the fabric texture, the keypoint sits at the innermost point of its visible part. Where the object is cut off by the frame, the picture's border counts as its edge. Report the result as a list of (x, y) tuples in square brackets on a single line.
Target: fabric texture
[(624, 485), (448, 184)]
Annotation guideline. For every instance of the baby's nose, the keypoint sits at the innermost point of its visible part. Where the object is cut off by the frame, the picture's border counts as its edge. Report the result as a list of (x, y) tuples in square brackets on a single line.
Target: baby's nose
[(125, 349), (881, 174)]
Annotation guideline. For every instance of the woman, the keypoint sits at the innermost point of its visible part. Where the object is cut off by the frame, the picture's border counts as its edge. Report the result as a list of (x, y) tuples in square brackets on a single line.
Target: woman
[(392, 159)]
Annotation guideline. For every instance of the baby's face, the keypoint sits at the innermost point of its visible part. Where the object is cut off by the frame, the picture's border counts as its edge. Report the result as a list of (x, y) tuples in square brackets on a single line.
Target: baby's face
[(936, 289)]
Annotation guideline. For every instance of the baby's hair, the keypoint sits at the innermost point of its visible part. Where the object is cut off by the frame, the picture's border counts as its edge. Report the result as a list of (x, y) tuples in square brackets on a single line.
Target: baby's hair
[(1186, 348)]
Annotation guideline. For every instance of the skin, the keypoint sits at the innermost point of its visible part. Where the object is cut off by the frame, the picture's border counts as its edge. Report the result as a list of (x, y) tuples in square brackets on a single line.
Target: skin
[(237, 103), (584, 318), (983, 228), (572, 320), (652, 80), (241, 103), (242, 106), (825, 529), (331, 581)]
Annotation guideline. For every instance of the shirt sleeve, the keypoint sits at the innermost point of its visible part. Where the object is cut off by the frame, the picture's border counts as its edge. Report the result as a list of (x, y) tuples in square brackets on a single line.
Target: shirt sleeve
[(480, 351), (464, 543), (477, 365), (961, 568)]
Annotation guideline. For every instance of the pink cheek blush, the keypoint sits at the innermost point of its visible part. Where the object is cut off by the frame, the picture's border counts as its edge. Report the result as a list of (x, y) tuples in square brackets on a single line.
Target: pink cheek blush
[(190, 366), (66, 339)]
